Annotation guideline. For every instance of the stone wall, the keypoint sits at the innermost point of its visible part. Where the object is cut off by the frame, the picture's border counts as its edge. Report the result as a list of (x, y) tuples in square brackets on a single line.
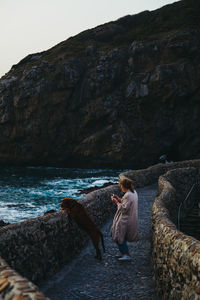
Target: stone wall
[(14, 286), (37, 248), (150, 175), (176, 256)]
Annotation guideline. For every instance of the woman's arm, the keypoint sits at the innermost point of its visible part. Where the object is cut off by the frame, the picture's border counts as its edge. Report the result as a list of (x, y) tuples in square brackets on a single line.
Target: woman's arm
[(125, 205)]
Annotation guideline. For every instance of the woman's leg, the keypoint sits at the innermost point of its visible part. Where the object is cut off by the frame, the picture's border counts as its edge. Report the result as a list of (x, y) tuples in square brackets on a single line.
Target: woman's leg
[(123, 248)]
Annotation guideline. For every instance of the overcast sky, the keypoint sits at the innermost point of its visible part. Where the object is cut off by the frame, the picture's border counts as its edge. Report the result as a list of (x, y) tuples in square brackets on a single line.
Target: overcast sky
[(29, 26)]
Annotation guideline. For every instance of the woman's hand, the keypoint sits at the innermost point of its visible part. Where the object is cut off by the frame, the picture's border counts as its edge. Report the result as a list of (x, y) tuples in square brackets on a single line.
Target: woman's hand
[(119, 199), (116, 199)]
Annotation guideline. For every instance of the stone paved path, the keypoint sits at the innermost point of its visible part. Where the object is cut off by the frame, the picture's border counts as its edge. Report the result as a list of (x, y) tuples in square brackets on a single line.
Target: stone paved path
[(86, 278)]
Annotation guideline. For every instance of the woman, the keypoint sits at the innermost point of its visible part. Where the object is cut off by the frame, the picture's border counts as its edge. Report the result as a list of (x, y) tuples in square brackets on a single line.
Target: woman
[(125, 223)]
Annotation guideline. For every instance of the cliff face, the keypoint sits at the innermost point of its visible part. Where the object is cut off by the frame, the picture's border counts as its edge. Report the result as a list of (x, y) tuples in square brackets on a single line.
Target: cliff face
[(118, 95)]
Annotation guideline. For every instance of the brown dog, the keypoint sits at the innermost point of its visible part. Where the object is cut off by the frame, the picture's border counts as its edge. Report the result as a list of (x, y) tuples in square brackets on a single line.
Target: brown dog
[(80, 215)]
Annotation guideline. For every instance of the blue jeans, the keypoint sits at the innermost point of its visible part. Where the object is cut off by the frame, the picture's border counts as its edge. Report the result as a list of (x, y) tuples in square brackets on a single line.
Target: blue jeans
[(123, 248)]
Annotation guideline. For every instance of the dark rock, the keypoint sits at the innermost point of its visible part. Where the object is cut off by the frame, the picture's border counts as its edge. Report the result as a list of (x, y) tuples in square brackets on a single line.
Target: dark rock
[(50, 211), (119, 95), (94, 188), (2, 223)]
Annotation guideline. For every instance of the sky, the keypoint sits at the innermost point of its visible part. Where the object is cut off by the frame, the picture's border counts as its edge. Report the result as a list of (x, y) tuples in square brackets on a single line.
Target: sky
[(30, 26)]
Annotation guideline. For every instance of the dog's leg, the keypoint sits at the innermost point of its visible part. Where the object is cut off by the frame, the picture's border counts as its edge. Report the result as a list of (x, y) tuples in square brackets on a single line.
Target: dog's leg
[(70, 220), (95, 241), (102, 241)]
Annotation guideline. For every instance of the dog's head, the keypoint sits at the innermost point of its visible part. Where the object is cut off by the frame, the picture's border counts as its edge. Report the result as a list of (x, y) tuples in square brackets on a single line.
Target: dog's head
[(68, 203)]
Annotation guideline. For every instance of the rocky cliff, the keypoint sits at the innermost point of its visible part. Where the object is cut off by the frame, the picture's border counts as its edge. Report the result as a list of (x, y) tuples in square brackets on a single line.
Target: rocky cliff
[(118, 95)]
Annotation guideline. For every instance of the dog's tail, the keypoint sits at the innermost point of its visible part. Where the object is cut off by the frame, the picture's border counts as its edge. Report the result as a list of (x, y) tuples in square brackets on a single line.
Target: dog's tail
[(102, 241)]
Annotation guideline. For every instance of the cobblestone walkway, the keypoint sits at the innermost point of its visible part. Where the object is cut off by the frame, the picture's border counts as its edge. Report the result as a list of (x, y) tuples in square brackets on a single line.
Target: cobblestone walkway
[(86, 278)]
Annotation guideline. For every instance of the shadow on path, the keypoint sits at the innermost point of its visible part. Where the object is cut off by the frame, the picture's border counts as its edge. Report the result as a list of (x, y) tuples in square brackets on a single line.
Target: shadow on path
[(86, 278)]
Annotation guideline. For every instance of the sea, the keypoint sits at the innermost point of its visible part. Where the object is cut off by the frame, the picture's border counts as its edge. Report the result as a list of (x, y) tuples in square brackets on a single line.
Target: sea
[(29, 192)]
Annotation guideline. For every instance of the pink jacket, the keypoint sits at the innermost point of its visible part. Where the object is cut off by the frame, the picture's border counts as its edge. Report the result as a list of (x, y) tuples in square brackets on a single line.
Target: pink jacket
[(125, 222)]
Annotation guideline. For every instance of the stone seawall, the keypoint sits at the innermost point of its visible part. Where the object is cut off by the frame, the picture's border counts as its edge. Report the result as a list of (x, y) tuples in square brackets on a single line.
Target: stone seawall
[(35, 249), (38, 247), (150, 175), (14, 286), (176, 256)]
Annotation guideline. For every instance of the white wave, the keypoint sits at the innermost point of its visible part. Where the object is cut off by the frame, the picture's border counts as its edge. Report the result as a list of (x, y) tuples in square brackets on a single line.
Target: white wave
[(100, 182)]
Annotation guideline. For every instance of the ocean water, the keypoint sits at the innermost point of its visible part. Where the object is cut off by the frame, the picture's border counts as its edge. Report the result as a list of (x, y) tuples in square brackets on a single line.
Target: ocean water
[(29, 192)]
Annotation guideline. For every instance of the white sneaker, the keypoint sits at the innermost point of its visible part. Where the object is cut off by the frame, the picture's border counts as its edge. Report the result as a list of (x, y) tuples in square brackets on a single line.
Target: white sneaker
[(125, 258)]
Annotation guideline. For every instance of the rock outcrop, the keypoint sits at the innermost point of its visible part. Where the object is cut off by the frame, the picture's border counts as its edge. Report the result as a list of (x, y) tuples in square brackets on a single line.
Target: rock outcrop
[(118, 95)]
